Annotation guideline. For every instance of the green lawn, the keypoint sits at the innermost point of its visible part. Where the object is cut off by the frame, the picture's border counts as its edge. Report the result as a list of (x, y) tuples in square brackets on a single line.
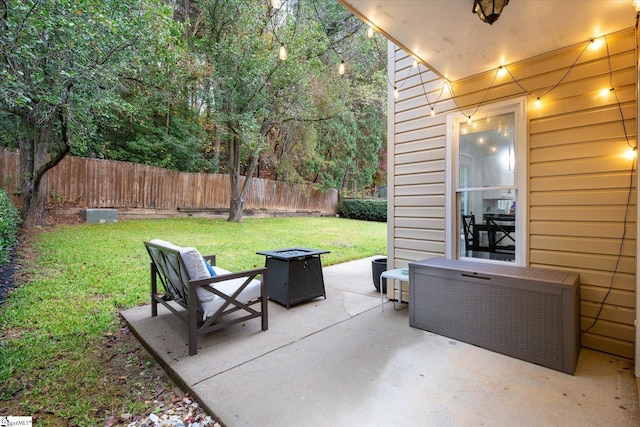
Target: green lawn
[(59, 358)]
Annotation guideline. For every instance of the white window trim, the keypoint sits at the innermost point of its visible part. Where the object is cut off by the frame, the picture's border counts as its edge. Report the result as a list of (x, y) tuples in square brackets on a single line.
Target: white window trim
[(519, 106)]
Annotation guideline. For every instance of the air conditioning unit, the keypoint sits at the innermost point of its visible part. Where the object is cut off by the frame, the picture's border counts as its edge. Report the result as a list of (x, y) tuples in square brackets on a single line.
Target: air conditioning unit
[(529, 313)]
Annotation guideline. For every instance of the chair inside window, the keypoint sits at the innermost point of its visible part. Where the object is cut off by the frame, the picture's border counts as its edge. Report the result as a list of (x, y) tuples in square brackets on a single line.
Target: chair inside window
[(470, 241), (501, 236)]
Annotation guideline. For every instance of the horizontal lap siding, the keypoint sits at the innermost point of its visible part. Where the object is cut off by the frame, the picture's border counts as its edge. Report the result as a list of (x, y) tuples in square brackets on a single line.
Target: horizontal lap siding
[(579, 187), (418, 168), (579, 181)]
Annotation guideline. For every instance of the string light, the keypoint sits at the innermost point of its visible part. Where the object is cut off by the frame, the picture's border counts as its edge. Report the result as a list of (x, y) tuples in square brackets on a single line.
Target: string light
[(631, 153), (604, 92), (283, 52), (501, 71), (370, 31), (596, 43)]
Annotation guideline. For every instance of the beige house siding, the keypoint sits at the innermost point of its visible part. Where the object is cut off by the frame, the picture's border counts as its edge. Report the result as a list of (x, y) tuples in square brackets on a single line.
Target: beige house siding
[(578, 179)]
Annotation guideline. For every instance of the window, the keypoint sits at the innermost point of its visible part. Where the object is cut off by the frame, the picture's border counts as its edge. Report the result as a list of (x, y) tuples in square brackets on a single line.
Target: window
[(488, 182)]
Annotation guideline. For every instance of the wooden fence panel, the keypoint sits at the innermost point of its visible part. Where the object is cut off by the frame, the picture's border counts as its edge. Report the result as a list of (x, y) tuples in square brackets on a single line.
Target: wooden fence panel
[(95, 183)]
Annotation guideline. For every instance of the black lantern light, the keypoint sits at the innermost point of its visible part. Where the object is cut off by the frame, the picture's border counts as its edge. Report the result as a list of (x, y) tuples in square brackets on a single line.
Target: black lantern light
[(489, 10)]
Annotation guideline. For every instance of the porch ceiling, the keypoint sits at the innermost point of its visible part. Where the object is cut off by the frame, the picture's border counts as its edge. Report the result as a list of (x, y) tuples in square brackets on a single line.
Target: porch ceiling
[(453, 42)]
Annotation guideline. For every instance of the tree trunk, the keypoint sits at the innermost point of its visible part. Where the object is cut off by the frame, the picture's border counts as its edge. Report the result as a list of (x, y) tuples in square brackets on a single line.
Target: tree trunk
[(237, 202), (33, 164), (238, 193), (216, 153), (33, 185)]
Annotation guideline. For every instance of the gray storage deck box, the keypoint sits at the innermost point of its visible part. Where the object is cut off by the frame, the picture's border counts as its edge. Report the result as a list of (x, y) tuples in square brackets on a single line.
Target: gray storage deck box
[(529, 313)]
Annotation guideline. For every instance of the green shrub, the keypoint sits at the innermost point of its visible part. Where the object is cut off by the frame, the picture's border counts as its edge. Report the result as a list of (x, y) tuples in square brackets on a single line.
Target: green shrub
[(9, 221), (364, 209)]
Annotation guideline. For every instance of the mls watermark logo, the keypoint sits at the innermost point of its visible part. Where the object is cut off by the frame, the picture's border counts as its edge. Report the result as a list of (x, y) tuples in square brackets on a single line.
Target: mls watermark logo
[(16, 421)]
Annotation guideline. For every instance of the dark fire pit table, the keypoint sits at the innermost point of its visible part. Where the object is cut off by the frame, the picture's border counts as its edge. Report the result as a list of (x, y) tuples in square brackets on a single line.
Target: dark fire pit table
[(295, 275)]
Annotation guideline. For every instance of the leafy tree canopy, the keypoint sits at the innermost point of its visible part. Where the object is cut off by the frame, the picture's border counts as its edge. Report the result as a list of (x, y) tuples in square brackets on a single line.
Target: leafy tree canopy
[(193, 86)]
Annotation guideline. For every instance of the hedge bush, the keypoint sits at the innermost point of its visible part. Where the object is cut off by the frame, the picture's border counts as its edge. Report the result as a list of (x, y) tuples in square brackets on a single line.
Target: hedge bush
[(364, 209), (9, 221)]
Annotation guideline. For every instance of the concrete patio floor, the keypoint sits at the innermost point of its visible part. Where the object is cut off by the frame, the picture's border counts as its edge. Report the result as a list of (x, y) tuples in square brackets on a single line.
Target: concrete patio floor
[(344, 361)]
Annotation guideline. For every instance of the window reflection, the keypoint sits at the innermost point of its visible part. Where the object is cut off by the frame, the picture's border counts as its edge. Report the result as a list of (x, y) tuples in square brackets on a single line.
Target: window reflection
[(487, 146), (486, 188), (488, 235)]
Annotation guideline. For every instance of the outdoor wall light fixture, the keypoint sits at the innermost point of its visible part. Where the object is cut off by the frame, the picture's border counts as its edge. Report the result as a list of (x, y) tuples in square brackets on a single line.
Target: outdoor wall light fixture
[(489, 10)]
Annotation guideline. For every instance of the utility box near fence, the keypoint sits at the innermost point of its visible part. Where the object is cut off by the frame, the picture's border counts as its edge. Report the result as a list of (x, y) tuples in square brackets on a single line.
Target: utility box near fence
[(99, 216)]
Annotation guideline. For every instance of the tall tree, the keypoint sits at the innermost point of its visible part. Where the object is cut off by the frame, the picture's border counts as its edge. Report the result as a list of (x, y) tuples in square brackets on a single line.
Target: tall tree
[(61, 65), (251, 87), (259, 101)]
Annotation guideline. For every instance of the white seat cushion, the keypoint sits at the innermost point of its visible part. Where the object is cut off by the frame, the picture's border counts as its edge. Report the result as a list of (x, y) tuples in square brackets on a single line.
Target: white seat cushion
[(228, 287), (197, 270)]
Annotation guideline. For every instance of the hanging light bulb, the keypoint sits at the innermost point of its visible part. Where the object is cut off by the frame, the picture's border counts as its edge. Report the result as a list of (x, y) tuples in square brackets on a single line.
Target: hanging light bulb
[(596, 43), (276, 4), (502, 71), (631, 153), (415, 63), (433, 112), (396, 94), (469, 121), (370, 31), (538, 102), (341, 68), (283, 52), (606, 91)]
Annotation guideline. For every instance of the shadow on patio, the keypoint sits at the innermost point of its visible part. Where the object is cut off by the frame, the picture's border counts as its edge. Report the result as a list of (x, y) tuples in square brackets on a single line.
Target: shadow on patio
[(344, 361)]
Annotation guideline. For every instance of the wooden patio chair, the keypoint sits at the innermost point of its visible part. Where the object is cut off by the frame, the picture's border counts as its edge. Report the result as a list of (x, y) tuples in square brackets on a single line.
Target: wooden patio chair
[(206, 293)]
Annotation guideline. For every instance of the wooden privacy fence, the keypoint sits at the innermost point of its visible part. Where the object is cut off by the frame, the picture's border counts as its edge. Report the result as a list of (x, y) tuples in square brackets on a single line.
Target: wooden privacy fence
[(94, 183)]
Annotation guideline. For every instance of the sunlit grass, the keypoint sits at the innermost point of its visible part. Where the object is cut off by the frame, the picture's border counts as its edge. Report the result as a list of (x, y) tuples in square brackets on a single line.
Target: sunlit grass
[(55, 329)]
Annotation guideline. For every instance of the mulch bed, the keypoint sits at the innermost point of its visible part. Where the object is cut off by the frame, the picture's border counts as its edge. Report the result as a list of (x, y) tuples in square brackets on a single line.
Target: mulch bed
[(7, 284)]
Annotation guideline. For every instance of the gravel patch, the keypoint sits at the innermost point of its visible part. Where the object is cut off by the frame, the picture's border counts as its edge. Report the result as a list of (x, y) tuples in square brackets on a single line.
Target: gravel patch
[(172, 411)]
